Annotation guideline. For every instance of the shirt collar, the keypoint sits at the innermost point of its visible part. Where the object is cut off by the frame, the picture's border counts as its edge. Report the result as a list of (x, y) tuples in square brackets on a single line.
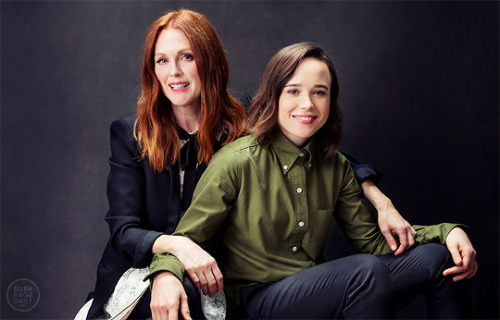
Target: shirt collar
[(289, 155)]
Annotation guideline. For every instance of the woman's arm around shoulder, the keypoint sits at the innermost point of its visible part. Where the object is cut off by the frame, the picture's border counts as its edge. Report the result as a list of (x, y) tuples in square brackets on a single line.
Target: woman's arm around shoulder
[(389, 219)]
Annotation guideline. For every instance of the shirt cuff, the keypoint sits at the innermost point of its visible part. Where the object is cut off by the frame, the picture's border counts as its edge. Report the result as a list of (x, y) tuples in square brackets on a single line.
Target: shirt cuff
[(165, 261), (435, 233)]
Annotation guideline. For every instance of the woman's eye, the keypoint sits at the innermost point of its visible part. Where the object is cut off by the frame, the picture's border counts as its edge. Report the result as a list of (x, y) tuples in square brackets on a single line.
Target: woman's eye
[(162, 60), (293, 91), (320, 93), (187, 57)]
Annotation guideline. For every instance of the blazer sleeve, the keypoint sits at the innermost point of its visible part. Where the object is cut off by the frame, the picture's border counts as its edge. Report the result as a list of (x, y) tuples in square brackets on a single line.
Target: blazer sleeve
[(243, 97), (363, 171), (126, 216)]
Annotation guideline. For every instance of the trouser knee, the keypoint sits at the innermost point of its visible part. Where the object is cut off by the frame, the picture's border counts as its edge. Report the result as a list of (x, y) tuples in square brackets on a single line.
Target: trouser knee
[(436, 257), (373, 275), (371, 292)]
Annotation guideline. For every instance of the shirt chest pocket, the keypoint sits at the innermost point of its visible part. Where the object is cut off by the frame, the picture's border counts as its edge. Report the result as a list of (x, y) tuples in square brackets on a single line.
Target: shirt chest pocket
[(315, 237)]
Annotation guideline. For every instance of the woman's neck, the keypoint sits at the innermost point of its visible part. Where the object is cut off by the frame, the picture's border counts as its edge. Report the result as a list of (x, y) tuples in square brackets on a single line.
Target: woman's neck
[(188, 118)]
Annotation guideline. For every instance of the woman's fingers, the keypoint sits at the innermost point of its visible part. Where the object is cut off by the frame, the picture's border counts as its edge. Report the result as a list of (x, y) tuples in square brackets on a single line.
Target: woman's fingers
[(206, 275), (218, 278), (168, 297)]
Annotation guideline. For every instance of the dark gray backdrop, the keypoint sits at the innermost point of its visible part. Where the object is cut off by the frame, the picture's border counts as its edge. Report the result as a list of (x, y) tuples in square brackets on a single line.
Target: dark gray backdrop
[(419, 90)]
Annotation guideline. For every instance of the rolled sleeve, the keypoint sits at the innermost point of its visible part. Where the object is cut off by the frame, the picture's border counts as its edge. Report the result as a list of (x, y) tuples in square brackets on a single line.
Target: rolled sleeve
[(165, 261), (435, 233)]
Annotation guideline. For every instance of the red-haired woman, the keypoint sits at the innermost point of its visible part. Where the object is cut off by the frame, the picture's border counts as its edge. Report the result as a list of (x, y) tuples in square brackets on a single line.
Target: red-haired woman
[(184, 115)]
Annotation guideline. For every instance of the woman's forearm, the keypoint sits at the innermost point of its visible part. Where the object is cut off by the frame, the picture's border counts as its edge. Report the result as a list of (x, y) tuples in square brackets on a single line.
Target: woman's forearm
[(389, 219), (379, 200)]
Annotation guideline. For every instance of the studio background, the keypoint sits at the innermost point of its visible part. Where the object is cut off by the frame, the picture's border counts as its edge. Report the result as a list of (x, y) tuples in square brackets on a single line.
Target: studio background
[(419, 92)]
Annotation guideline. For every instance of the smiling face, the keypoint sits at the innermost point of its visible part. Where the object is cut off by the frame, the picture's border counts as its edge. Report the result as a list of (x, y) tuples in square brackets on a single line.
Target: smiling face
[(304, 103), (176, 69)]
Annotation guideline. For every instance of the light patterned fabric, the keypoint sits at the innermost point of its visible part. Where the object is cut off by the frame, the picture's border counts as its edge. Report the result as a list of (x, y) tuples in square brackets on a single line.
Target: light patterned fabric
[(214, 308), (131, 287), (125, 297)]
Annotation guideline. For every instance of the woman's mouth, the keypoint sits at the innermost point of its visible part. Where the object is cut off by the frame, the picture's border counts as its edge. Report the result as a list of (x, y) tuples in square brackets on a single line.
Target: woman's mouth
[(305, 118), (179, 86)]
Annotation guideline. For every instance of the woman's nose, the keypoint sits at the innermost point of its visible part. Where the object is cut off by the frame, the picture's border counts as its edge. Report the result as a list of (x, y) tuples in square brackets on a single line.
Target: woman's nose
[(175, 71), (306, 102)]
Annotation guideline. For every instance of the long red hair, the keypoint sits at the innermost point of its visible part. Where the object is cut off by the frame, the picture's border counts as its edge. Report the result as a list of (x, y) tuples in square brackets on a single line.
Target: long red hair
[(155, 127)]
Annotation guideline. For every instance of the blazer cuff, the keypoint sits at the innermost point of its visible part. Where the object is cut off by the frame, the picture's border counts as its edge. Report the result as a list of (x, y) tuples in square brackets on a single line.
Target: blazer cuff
[(143, 254), (366, 171)]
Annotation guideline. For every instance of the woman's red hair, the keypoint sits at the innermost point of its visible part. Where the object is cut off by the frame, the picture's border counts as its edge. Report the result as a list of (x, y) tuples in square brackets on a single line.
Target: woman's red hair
[(155, 127)]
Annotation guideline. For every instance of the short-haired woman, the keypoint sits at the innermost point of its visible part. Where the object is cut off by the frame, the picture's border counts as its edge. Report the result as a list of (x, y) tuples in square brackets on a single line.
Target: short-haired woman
[(273, 195)]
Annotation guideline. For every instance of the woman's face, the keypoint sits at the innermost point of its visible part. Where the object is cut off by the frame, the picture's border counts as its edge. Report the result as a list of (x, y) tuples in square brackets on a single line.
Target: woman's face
[(176, 69), (304, 103)]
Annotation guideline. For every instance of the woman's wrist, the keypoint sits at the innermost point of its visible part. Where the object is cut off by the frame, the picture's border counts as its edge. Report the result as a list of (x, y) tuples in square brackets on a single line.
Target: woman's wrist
[(380, 201), (383, 204), (163, 243)]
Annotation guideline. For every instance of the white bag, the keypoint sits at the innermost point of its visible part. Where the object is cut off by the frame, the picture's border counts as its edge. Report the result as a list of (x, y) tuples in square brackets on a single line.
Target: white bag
[(131, 287), (127, 293)]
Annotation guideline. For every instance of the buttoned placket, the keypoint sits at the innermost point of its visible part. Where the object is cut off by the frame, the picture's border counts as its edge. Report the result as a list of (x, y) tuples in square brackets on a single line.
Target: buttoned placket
[(296, 175)]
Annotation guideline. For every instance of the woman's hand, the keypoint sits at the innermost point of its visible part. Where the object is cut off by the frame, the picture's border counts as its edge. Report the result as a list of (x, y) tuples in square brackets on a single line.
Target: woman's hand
[(389, 219), (168, 298), (199, 265), (463, 255)]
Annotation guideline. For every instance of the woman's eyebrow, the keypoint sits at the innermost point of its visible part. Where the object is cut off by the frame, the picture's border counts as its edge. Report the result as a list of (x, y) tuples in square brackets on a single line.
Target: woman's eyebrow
[(322, 86), (300, 85), (182, 50)]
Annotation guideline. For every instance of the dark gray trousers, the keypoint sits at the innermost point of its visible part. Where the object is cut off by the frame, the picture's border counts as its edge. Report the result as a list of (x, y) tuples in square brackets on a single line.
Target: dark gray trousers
[(363, 286)]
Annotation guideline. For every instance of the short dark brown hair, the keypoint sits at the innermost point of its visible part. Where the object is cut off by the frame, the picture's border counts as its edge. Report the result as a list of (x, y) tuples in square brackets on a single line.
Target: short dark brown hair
[(263, 111)]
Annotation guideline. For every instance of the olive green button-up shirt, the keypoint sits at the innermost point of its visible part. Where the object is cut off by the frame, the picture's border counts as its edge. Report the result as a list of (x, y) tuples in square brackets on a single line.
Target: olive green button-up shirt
[(275, 206)]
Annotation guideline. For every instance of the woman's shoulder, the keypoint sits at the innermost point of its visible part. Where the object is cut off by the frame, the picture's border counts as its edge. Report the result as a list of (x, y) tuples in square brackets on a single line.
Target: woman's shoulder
[(242, 143), (236, 149), (124, 127), (339, 156), (337, 161), (126, 121)]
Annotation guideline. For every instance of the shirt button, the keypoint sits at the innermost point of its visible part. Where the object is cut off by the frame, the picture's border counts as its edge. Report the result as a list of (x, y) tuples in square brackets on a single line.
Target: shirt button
[(301, 224), (310, 165), (299, 190), (301, 154), (285, 167), (294, 249)]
